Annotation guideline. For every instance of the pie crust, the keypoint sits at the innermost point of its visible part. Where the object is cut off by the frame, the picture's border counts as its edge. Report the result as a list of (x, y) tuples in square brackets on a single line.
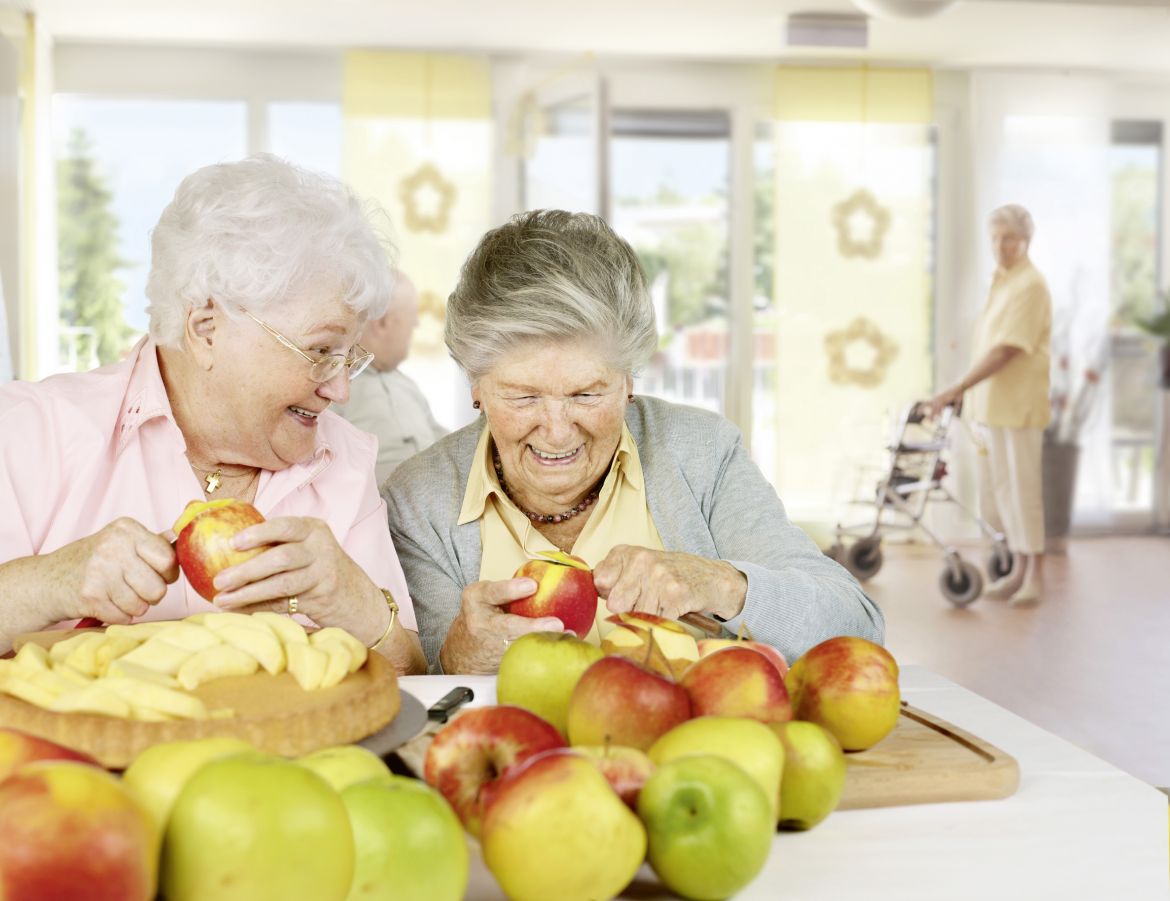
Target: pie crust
[(272, 712)]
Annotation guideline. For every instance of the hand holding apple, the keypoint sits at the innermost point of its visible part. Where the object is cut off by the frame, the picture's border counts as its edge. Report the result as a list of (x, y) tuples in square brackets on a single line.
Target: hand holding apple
[(479, 635), (668, 583), (849, 686), (564, 589), (205, 530), (73, 831), (113, 575), (476, 747)]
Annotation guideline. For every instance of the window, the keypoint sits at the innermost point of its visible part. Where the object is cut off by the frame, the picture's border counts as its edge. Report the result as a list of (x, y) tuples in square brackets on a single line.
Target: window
[(671, 172), (118, 164), (308, 134), (1135, 173)]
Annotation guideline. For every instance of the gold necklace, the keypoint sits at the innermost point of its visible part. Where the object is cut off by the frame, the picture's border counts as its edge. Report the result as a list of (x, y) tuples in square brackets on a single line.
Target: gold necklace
[(212, 478)]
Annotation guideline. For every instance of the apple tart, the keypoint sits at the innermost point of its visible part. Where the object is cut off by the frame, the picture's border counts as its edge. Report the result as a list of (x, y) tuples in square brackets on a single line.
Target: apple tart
[(260, 677)]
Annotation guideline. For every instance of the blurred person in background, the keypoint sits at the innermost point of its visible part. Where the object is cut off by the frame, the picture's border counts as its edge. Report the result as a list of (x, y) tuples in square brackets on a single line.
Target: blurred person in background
[(262, 277), (1009, 402), (550, 320), (385, 401)]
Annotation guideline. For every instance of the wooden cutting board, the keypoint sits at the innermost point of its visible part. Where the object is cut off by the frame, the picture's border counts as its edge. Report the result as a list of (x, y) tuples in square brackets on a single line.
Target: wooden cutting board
[(926, 760)]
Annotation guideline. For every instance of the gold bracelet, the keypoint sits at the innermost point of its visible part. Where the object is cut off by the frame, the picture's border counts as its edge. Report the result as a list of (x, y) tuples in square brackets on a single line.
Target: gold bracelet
[(393, 605)]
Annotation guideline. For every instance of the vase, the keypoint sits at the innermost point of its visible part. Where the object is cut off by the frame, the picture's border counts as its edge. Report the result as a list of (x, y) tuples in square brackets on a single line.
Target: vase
[(1058, 480)]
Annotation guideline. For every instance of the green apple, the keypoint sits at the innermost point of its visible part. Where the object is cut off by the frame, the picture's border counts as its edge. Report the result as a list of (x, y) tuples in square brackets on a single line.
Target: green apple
[(158, 774), (254, 827), (540, 670), (554, 829), (343, 765), (710, 826), (747, 743), (814, 773), (409, 844)]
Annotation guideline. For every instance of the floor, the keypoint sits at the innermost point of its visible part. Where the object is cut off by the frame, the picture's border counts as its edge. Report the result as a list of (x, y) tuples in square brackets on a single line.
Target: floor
[(1091, 663)]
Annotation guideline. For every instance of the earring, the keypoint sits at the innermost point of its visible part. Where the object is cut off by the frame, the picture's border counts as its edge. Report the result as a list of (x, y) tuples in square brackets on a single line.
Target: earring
[(629, 398), (475, 405)]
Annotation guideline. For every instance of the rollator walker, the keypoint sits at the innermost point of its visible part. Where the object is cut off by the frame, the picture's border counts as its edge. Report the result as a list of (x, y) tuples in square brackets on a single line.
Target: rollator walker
[(914, 478)]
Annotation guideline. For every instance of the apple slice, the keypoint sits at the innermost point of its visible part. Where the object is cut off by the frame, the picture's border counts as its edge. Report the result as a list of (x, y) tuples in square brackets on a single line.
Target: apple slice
[(93, 698), (333, 635), (188, 635), (124, 669), (112, 648), (158, 655), (31, 658), (216, 662), (145, 697), (259, 643), (287, 629), (307, 664)]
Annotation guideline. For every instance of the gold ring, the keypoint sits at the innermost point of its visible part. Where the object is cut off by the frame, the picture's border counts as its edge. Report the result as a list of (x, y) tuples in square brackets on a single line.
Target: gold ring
[(292, 605)]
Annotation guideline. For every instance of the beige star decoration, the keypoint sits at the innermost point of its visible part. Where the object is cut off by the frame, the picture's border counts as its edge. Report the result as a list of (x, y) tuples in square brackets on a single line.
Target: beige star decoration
[(427, 198), (844, 347), (861, 224)]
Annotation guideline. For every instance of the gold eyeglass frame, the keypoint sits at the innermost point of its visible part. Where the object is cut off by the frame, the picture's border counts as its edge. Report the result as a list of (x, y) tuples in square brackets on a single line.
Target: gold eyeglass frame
[(354, 364)]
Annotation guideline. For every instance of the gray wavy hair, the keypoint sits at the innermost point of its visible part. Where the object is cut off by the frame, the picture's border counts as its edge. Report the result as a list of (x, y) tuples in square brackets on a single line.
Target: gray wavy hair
[(554, 276), (256, 233), (1014, 217)]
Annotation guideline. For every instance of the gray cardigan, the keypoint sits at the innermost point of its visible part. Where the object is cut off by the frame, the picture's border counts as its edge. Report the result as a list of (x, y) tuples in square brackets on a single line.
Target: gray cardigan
[(707, 498)]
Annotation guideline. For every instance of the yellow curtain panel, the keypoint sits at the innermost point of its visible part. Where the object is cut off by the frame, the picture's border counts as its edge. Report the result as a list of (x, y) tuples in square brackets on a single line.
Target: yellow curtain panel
[(853, 282)]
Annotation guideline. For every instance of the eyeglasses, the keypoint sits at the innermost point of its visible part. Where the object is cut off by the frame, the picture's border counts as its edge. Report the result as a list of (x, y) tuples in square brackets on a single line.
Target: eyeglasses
[(322, 368)]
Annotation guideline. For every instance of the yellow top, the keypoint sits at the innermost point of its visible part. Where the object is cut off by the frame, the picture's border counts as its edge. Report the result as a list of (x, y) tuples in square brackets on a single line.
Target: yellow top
[(1019, 314), (620, 515)]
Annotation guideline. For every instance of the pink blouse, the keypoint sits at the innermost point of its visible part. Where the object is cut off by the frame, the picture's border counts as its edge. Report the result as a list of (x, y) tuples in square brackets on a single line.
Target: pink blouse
[(80, 450)]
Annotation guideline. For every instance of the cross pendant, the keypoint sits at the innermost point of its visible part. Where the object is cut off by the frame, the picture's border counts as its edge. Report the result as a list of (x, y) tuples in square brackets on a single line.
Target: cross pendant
[(212, 481)]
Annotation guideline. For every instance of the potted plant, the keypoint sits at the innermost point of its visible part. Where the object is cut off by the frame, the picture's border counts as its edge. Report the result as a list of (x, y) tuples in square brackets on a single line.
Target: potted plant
[(1158, 325)]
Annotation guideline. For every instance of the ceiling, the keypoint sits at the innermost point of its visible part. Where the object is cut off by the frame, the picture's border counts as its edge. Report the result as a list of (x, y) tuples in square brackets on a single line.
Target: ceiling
[(1127, 35)]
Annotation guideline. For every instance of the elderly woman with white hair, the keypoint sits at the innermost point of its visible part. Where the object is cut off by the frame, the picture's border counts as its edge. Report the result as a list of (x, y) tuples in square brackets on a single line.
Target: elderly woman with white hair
[(1009, 401), (262, 276), (550, 320)]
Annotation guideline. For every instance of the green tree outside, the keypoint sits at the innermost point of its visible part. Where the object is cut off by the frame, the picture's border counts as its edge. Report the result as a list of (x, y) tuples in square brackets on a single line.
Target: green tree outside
[(87, 252)]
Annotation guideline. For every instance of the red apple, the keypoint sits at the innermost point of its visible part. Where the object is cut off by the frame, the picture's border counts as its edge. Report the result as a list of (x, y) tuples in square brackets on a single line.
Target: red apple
[(737, 682), (205, 530), (19, 748), (619, 702), (849, 686), (72, 831), (554, 829), (626, 769), (657, 643), (476, 747), (711, 645), (564, 589)]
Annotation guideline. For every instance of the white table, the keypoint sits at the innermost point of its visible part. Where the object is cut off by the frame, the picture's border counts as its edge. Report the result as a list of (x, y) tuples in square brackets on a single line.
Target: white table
[(1078, 828)]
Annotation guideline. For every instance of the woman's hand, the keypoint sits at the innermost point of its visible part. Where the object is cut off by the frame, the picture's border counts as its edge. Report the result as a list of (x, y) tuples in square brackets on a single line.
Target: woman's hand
[(480, 634), (305, 562), (933, 407), (668, 584), (113, 575)]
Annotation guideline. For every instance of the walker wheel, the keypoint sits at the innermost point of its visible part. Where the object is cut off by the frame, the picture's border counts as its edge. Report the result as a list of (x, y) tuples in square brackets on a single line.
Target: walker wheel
[(864, 558), (999, 562), (964, 589)]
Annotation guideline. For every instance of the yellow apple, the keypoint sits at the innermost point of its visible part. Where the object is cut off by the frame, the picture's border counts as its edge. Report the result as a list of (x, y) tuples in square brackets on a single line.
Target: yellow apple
[(205, 530), (344, 765), (814, 774), (540, 670), (553, 828)]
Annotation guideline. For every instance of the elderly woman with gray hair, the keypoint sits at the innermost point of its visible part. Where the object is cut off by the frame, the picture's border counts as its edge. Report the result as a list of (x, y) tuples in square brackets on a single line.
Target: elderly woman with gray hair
[(262, 276), (1009, 401), (550, 321)]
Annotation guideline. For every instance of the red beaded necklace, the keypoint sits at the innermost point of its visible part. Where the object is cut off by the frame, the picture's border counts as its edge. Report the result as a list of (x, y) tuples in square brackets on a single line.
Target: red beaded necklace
[(585, 503)]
